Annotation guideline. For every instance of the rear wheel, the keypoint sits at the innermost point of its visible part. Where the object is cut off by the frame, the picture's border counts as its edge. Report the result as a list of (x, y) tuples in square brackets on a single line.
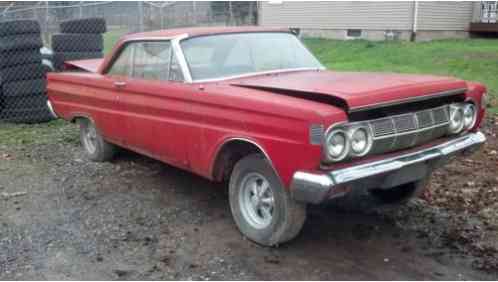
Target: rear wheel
[(96, 148), (261, 207)]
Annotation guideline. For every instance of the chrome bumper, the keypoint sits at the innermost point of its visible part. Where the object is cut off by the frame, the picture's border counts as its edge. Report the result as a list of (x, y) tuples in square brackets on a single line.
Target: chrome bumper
[(51, 110), (316, 187)]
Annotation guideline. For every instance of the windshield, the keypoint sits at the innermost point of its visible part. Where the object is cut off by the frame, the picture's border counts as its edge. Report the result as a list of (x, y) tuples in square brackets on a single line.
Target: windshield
[(217, 56)]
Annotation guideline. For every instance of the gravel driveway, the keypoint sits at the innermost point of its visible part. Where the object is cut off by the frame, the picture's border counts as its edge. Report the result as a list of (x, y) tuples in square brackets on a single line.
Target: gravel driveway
[(136, 218)]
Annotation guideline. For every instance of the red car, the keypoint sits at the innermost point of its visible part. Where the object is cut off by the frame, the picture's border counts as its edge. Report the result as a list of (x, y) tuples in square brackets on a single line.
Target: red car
[(253, 107)]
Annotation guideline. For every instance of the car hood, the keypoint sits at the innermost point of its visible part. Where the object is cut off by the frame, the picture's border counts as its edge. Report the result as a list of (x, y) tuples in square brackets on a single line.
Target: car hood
[(354, 90)]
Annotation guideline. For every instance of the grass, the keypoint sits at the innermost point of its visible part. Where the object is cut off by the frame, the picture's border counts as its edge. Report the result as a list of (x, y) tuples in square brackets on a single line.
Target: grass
[(111, 37), (18, 135), (469, 59)]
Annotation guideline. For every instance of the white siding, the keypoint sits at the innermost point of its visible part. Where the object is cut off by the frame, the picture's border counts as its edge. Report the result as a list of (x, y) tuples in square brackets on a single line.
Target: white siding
[(454, 16), (445, 15), (339, 15)]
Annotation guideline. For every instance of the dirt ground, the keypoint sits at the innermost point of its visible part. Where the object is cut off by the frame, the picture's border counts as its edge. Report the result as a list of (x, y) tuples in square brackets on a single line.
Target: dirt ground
[(136, 218)]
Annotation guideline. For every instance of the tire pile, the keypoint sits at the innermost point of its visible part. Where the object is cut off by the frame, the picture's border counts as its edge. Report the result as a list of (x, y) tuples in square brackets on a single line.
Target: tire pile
[(23, 96), (79, 39)]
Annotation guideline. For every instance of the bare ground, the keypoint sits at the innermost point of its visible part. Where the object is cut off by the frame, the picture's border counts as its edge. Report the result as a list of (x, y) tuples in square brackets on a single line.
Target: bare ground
[(136, 218)]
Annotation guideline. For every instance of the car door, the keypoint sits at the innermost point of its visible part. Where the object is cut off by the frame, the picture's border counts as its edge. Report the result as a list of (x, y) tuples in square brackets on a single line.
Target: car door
[(109, 87), (158, 104)]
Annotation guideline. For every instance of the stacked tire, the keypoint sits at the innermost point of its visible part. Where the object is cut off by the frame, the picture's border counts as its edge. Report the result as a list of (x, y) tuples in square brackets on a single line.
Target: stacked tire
[(79, 39), (23, 96)]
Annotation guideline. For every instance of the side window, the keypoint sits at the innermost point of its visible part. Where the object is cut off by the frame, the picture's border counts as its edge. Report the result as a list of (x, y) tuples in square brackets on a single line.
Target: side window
[(152, 60), (122, 65)]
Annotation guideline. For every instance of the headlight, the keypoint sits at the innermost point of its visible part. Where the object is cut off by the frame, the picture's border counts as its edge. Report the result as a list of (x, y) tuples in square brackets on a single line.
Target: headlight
[(469, 116), (456, 122), (361, 141), (337, 145)]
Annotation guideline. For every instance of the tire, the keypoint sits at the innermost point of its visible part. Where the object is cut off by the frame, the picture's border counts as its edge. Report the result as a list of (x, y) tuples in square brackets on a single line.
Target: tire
[(32, 115), (24, 87), (77, 42), (286, 216), (19, 27), (24, 72), (60, 58), (36, 101), (20, 42), (96, 148), (10, 58), (90, 25)]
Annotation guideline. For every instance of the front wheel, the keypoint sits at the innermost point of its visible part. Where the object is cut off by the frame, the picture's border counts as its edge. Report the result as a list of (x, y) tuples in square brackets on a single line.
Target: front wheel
[(261, 206)]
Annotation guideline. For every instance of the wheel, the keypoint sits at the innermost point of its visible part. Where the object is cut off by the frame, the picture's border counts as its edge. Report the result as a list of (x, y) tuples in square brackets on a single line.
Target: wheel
[(19, 27), (89, 25), (261, 207), (96, 148), (67, 42)]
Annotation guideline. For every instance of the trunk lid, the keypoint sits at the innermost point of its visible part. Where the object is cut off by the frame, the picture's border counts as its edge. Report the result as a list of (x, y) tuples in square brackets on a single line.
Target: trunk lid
[(89, 65)]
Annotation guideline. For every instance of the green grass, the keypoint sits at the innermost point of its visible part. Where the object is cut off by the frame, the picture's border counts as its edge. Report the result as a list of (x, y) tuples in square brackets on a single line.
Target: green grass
[(19, 135), (111, 37), (470, 59)]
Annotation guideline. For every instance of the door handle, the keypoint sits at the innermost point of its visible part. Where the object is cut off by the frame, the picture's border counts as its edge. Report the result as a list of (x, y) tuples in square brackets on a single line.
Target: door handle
[(119, 84)]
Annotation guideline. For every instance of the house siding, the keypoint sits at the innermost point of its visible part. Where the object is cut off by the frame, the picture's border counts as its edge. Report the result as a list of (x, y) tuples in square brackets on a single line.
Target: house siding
[(339, 15), (332, 19), (445, 15)]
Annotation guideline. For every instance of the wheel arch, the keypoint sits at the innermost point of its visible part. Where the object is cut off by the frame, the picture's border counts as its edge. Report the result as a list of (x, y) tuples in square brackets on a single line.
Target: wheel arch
[(230, 152)]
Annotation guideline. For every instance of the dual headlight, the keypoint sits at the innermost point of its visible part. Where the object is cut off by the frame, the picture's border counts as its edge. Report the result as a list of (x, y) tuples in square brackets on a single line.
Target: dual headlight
[(462, 117), (355, 140)]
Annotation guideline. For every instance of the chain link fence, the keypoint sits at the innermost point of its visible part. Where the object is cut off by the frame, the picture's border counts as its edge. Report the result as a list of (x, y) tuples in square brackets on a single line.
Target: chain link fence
[(37, 37)]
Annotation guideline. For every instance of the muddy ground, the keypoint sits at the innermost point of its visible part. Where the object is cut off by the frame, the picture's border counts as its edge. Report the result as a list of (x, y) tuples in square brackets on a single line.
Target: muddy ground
[(136, 218)]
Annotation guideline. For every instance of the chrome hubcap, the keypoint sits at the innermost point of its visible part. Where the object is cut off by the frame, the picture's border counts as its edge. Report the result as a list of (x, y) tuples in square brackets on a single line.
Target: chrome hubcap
[(256, 200), (90, 139)]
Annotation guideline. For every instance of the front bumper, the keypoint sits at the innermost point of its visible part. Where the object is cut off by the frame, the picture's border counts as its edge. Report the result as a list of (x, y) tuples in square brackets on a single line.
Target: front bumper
[(316, 187)]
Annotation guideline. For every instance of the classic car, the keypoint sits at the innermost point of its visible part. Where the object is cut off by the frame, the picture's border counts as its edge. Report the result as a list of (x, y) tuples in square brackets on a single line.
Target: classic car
[(252, 107)]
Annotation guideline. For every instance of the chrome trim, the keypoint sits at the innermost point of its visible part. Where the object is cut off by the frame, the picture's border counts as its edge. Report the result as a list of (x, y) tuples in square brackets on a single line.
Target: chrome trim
[(347, 145), (180, 56), (396, 133), (370, 139), (315, 187), (220, 147), (256, 73), (408, 100), (51, 109)]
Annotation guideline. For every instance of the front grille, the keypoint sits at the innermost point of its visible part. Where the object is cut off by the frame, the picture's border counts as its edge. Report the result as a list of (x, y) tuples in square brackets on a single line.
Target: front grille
[(407, 130)]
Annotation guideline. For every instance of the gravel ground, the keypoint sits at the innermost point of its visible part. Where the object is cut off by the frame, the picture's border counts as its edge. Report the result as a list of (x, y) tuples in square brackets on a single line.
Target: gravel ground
[(136, 219)]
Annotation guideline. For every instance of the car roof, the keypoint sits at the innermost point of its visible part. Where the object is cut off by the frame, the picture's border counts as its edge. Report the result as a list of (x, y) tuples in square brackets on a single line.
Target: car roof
[(200, 31)]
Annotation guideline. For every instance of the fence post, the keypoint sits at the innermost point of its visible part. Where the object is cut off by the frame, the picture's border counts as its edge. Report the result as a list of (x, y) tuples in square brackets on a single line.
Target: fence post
[(140, 15), (194, 13), (230, 11), (80, 8)]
